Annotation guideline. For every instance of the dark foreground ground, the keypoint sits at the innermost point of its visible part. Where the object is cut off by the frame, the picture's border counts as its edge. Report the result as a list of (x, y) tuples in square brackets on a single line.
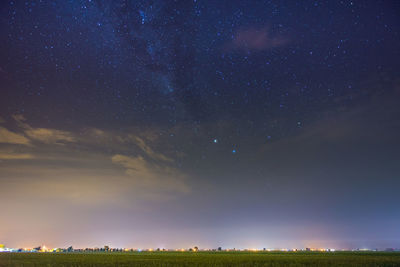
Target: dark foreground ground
[(202, 259)]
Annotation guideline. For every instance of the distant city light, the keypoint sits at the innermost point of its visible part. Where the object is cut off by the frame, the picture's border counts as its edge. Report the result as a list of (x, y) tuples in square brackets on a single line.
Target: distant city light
[(107, 249)]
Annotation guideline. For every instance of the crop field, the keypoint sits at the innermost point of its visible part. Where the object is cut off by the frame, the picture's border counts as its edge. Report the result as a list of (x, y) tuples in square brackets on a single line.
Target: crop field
[(167, 259)]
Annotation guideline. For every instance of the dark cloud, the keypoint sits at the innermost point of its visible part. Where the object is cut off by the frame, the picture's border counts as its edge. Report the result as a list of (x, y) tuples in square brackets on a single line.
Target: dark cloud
[(256, 39)]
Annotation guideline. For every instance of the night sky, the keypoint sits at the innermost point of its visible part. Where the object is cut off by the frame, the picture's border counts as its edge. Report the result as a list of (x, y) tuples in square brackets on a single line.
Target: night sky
[(243, 124)]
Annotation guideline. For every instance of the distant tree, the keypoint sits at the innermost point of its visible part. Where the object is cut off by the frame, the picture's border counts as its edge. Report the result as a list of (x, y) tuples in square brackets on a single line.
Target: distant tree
[(196, 248), (70, 249), (219, 248)]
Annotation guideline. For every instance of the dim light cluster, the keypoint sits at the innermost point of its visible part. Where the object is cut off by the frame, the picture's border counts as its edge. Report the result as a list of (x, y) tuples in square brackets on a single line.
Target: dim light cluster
[(44, 249)]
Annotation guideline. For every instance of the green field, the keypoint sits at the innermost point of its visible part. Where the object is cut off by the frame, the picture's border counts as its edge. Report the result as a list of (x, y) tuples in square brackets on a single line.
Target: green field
[(202, 259)]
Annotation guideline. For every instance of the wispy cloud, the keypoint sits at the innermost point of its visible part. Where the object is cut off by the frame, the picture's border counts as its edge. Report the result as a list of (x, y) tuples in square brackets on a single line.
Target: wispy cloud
[(147, 173), (125, 141), (44, 135), (20, 120), (10, 137), (156, 176), (50, 136), (150, 152), (15, 156)]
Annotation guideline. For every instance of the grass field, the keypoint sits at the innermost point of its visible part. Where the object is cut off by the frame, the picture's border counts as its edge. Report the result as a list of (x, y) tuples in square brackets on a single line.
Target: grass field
[(147, 259)]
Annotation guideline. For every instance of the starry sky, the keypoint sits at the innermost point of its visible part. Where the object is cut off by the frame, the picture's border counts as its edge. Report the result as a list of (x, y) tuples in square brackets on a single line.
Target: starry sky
[(211, 123)]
